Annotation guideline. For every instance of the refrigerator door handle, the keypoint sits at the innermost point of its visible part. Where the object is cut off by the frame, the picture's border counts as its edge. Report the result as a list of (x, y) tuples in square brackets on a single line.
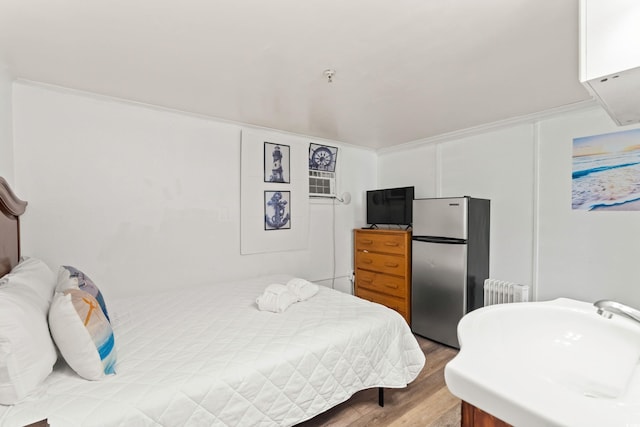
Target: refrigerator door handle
[(438, 239)]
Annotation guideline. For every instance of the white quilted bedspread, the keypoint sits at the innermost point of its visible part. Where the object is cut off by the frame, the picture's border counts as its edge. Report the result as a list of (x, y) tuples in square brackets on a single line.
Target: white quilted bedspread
[(208, 357)]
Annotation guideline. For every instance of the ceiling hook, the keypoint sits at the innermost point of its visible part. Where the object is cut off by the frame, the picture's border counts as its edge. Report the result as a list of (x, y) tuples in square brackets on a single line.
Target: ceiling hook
[(329, 73)]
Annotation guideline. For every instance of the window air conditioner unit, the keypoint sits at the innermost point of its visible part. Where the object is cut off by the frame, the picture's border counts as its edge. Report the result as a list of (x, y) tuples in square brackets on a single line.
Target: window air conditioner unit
[(322, 184)]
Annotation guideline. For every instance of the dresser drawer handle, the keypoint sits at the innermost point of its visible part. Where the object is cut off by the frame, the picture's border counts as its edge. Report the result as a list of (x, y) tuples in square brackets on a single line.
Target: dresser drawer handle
[(366, 241), (366, 280), (391, 243), (391, 264), (391, 285), (367, 261)]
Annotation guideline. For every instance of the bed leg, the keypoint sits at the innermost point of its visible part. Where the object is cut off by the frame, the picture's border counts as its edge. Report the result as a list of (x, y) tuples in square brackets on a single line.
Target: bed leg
[(381, 397)]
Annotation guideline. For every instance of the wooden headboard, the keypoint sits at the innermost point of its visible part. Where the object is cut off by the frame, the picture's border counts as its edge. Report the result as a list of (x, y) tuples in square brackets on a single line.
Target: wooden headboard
[(10, 210)]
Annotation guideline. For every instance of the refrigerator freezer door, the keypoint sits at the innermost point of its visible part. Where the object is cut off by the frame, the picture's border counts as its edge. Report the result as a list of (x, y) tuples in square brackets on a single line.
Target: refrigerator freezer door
[(438, 290), (440, 217)]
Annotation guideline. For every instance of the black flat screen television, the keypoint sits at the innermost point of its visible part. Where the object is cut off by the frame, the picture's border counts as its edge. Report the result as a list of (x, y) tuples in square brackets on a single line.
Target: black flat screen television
[(390, 206)]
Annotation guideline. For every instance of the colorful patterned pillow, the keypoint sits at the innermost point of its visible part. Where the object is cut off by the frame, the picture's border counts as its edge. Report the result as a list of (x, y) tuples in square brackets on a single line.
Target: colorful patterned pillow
[(82, 333), (72, 278), (80, 325)]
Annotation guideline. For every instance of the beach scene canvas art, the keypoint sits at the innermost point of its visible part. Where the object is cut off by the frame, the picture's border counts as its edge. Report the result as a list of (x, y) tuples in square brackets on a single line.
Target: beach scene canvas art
[(606, 172)]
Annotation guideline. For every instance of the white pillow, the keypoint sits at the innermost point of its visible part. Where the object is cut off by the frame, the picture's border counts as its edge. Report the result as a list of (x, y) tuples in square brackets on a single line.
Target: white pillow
[(82, 333), (34, 274), (27, 353)]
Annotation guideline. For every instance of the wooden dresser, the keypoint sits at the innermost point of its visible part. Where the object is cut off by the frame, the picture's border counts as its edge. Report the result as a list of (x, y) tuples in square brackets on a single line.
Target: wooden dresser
[(382, 264)]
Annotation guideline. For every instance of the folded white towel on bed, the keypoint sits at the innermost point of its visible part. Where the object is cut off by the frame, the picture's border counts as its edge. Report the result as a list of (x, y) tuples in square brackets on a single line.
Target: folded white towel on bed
[(303, 289), (276, 298)]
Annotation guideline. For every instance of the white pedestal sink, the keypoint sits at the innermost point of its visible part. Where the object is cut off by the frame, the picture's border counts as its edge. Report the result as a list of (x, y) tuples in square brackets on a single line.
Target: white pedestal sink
[(555, 363)]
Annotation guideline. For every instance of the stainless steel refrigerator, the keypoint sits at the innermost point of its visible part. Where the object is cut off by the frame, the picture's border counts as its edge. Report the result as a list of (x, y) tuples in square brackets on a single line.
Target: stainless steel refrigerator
[(450, 261)]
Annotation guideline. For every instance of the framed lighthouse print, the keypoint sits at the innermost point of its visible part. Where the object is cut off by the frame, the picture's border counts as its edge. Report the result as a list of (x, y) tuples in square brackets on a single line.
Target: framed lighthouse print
[(276, 163)]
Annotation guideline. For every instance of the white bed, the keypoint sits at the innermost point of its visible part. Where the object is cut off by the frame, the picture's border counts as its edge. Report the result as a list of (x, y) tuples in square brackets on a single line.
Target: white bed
[(207, 356)]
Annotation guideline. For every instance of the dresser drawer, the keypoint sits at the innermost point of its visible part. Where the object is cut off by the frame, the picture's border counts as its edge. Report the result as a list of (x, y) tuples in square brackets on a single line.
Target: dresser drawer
[(378, 242), (383, 283), (390, 264), (397, 304)]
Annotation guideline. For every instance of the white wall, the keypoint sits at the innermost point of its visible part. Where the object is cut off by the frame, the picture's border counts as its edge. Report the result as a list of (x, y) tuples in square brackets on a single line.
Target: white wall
[(536, 239), (584, 255), (143, 199), (417, 167), (497, 166), (6, 141)]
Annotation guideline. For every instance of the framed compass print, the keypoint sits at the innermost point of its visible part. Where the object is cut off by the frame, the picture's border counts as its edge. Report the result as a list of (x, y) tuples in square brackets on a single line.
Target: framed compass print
[(322, 157), (277, 210), (276, 162)]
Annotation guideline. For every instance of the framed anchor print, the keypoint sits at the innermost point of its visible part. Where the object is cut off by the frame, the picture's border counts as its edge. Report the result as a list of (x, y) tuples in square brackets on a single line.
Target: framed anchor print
[(276, 163), (277, 210)]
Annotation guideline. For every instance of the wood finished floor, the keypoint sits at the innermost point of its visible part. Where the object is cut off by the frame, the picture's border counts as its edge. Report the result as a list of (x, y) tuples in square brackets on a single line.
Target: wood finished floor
[(426, 402)]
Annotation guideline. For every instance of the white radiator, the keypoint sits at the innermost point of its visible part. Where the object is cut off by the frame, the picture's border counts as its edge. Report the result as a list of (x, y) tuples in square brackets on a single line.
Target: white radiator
[(501, 291)]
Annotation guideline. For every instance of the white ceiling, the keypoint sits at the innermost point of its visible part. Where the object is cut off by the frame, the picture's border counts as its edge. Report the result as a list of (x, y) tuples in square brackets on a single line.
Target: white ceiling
[(405, 69)]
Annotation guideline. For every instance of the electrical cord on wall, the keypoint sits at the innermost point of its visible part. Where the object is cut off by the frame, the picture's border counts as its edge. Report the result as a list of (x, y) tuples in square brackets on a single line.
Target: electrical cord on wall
[(333, 242), (344, 199)]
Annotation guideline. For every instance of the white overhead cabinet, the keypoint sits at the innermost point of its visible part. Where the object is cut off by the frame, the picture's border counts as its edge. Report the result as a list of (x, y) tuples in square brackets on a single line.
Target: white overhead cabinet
[(610, 56)]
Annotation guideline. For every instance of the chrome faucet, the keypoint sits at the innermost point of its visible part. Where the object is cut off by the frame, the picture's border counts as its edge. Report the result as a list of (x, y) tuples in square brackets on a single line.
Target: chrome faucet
[(606, 308)]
